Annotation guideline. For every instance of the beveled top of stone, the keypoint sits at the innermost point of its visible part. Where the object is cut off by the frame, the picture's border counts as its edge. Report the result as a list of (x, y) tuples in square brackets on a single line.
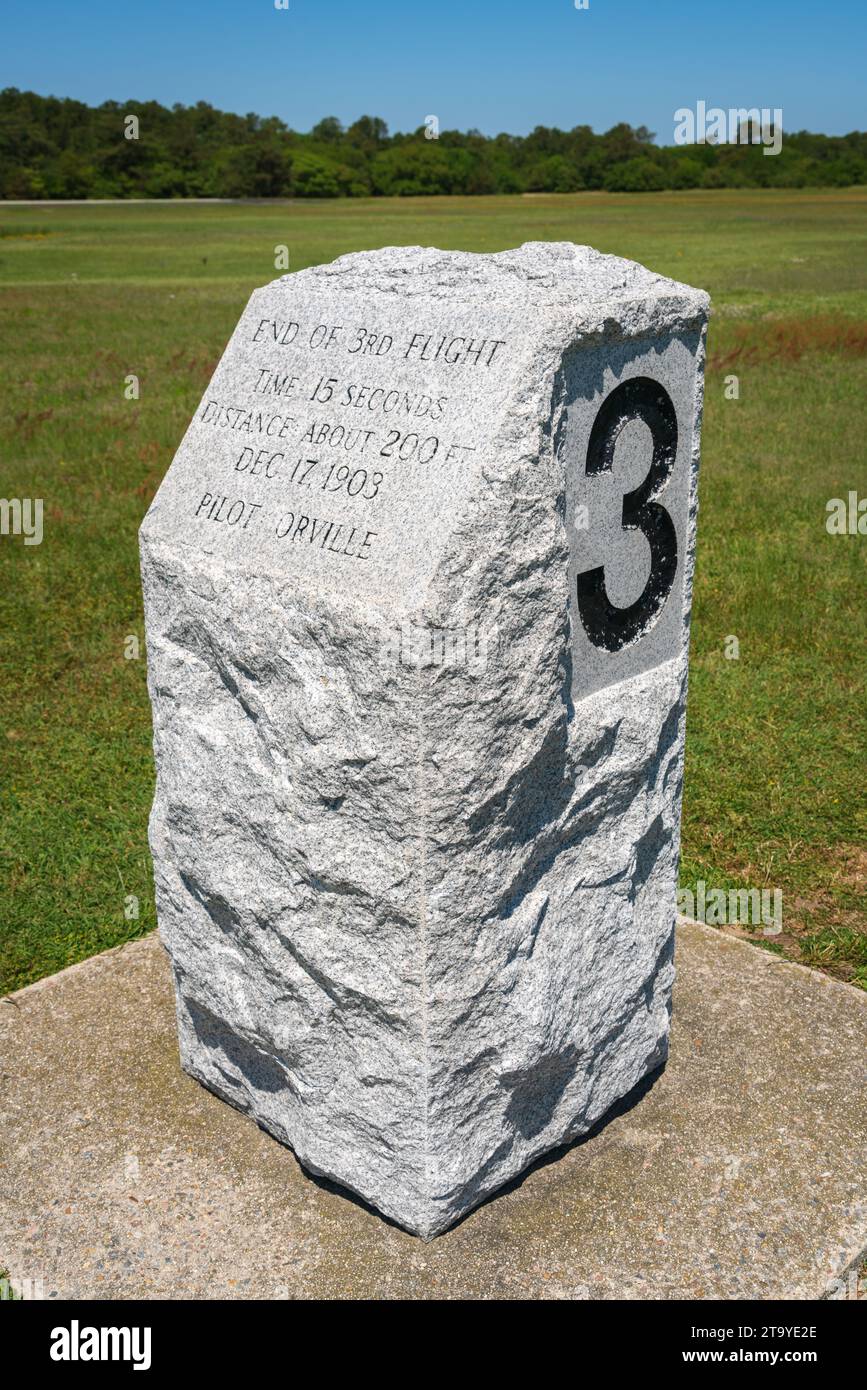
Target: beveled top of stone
[(553, 274), (406, 378)]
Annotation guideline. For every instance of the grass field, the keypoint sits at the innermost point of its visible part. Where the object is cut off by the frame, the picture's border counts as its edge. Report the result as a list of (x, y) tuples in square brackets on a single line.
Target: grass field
[(775, 749)]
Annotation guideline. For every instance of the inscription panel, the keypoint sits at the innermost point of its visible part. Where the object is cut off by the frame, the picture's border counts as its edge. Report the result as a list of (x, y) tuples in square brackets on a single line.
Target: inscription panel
[(340, 441)]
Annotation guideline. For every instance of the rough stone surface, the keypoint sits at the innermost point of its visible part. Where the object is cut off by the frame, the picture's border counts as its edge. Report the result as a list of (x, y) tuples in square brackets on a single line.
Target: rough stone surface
[(420, 910), (738, 1174)]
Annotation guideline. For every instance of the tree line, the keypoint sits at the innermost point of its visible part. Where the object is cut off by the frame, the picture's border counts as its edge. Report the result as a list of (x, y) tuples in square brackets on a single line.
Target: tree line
[(52, 147)]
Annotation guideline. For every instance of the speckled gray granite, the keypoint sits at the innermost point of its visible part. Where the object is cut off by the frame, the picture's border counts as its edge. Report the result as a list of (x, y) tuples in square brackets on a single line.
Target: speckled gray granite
[(417, 592), (738, 1174)]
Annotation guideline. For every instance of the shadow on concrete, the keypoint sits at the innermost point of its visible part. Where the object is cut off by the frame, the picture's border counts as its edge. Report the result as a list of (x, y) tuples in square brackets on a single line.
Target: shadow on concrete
[(620, 1107)]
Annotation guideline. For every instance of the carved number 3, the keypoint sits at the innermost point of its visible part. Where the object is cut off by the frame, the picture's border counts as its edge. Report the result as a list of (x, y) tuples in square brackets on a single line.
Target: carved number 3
[(640, 398)]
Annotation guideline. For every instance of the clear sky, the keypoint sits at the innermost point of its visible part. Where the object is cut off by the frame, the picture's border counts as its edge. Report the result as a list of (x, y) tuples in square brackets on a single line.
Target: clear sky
[(493, 64)]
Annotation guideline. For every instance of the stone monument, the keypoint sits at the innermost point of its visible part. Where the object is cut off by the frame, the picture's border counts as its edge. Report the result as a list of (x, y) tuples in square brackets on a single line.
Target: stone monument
[(417, 592)]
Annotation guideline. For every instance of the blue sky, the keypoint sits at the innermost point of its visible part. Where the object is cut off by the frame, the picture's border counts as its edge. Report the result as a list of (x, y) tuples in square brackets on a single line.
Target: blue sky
[(493, 64)]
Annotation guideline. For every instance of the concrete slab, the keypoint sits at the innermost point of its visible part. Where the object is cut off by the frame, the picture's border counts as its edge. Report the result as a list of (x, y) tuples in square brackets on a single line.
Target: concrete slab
[(738, 1173)]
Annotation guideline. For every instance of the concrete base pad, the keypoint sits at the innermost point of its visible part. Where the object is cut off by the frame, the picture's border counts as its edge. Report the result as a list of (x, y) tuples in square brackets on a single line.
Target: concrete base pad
[(738, 1173)]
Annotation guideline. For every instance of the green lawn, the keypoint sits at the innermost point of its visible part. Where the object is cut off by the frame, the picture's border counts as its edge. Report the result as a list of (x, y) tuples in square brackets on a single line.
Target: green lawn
[(775, 749)]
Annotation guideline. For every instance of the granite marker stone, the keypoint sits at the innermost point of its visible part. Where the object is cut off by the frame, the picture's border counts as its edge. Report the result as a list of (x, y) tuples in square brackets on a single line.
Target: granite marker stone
[(418, 682)]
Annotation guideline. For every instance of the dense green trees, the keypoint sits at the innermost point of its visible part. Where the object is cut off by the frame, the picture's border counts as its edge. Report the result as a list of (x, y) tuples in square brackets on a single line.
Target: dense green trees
[(58, 148)]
